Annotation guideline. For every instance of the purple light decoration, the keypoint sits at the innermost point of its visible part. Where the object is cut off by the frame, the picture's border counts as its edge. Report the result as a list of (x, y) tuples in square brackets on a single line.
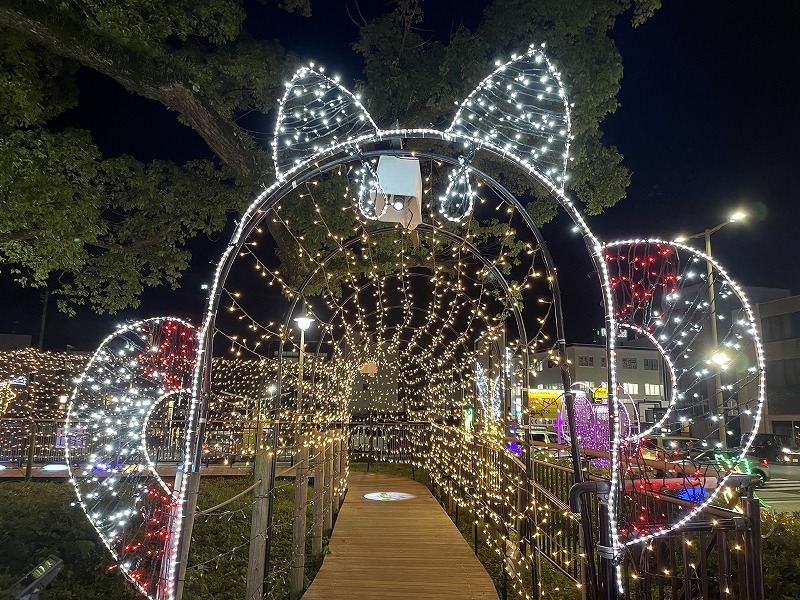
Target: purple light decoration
[(559, 427), (593, 428), (514, 447)]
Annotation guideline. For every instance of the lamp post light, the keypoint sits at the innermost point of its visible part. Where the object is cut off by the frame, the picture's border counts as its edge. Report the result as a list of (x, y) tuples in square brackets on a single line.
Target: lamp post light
[(300, 476), (717, 358), (259, 415)]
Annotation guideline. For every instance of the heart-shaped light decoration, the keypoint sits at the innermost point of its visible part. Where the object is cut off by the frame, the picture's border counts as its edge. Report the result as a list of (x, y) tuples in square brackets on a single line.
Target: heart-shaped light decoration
[(129, 377), (713, 368)]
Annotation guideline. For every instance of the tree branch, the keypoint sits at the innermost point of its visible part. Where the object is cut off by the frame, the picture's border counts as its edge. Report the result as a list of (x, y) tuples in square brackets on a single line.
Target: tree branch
[(152, 75), (22, 235)]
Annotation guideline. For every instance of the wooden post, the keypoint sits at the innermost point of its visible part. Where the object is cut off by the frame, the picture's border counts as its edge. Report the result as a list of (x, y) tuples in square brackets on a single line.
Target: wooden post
[(319, 498), (327, 515), (299, 527), (31, 451), (343, 470), (258, 528), (337, 473)]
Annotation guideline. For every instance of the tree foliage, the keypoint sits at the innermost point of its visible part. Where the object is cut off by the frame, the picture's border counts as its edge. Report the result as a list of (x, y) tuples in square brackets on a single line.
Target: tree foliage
[(102, 228)]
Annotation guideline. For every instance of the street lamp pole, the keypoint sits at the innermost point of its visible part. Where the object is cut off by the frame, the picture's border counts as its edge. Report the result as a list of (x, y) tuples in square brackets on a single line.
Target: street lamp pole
[(300, 477), (719, 402)]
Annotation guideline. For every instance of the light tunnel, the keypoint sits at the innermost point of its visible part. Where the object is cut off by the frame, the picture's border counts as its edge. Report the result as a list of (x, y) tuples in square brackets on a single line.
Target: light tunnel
[(424, 307), (428, 307)]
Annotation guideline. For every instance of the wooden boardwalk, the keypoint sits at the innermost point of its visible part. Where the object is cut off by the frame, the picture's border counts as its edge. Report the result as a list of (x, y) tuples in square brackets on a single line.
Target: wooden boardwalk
[(397, 549)]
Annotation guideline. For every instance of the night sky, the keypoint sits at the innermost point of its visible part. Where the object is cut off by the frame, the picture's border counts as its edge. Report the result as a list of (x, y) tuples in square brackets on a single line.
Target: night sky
[(708, 124)]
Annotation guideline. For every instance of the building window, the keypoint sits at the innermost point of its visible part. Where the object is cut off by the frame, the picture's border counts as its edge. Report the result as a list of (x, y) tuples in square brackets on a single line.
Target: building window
[(783, 386), (629, 363), (602, 362), (652, 389), (631, 389), (539, 365), (650, 364), (586, 361), (781, 327)]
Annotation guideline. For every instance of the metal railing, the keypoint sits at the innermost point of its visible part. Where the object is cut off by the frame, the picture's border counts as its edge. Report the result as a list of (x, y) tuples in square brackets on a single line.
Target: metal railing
[(517, 494), (531, 505)]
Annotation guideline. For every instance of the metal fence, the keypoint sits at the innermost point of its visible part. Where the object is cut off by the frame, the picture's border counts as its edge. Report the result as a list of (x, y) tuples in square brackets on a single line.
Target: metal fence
[(520, 494)]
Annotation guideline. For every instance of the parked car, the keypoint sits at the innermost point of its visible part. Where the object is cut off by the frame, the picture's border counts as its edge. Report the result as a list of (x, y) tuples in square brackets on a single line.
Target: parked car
[(218, 451), (775, 448), (732, 461), (547, 436), (667, 447)]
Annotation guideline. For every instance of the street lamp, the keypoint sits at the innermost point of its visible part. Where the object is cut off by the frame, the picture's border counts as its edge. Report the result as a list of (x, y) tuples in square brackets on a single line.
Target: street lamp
[(718, 357), (301, 481)]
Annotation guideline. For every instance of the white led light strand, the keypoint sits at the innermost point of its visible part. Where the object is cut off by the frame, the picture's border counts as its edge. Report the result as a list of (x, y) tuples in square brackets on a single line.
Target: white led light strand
[(668, 329), (114, 478), (522, 108)]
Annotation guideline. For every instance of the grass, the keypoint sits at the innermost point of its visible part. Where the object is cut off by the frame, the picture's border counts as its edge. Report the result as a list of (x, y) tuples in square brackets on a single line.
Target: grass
[(36, 520)]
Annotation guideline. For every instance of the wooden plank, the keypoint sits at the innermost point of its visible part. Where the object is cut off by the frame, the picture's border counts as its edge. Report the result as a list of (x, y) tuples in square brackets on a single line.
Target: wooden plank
[(397, 549)]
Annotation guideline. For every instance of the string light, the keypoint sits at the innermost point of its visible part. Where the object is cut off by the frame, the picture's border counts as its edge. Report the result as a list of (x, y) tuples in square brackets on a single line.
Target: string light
[(520, 113), (128, 504)]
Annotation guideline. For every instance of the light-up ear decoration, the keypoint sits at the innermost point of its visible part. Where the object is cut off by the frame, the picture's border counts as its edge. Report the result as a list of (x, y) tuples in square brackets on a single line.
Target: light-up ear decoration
[(315, 114), (131, 372), (521, 109), (458, 199), (368, 189), (663, 291)]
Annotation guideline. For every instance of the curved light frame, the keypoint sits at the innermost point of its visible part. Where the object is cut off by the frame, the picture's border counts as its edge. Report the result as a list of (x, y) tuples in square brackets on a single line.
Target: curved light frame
[(325, 161), (68, 424), (148, 459), (761, 382)]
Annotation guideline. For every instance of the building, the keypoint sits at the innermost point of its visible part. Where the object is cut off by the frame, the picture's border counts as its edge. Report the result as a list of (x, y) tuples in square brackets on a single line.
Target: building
[(14, 341), (779, 321), (640, 371)]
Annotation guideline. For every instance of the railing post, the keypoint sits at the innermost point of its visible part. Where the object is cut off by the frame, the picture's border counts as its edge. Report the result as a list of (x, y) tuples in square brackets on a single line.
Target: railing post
[(503, 574), (601, 489), (327, 515), (337, 451), (343, 456), (258, 529), (297, 577), (31, 451), (752, 547), (319, 496), (605, 549)]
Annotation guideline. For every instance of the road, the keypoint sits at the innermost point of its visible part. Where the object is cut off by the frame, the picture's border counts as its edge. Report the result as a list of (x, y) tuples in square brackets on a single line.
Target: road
[(782, 491)]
